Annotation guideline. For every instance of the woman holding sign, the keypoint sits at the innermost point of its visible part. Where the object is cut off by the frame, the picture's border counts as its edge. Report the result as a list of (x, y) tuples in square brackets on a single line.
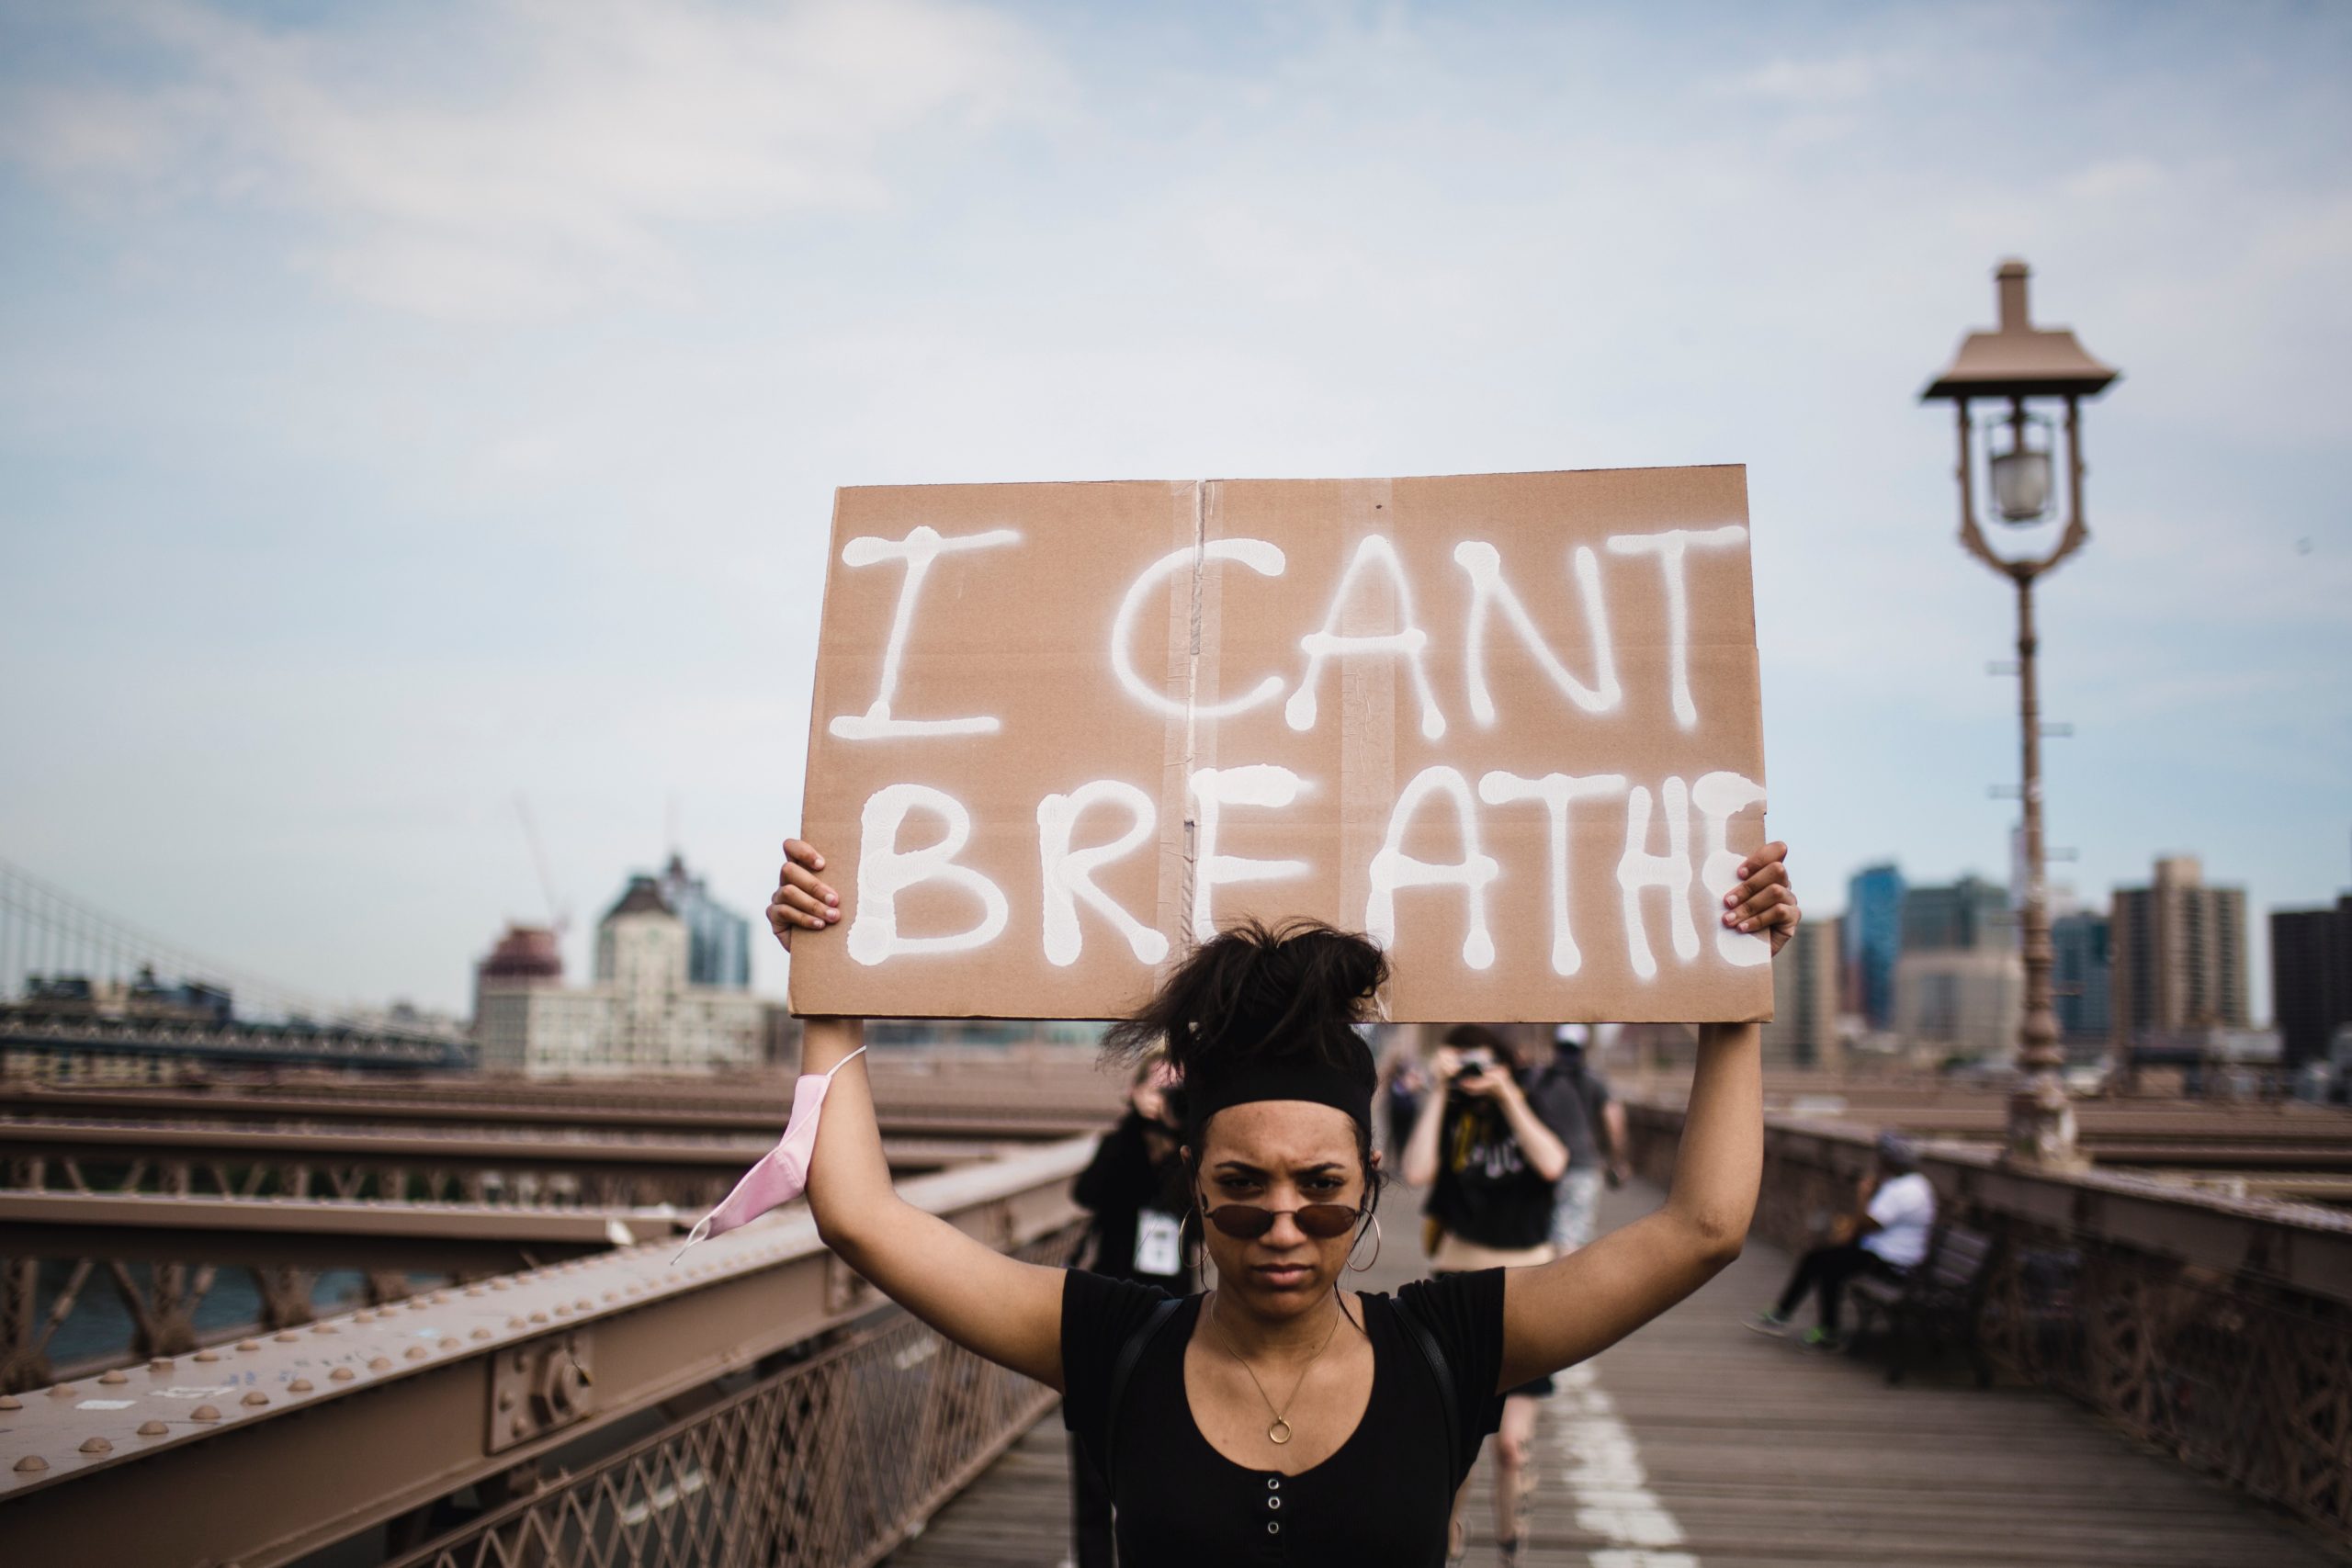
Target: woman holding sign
[(1278, 1418)]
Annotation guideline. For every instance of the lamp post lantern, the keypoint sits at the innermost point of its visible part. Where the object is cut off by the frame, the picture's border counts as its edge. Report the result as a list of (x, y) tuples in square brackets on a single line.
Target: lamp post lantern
[(2009, 366)]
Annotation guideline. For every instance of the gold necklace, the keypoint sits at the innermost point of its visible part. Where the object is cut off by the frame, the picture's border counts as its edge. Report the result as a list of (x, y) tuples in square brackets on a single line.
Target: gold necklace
[(1278, 1432)]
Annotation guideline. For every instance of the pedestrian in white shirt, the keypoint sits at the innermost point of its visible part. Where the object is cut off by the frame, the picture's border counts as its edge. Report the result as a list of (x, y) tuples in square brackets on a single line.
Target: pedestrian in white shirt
[(1887, 1237)]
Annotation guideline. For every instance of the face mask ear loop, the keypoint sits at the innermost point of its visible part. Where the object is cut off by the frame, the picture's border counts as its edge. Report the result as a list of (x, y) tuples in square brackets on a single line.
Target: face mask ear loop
[(701, 1231)]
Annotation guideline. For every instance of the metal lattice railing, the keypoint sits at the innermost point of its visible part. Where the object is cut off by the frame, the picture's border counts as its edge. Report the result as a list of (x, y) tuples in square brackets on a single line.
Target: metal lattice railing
[(828, 1463), (2232, 1370)]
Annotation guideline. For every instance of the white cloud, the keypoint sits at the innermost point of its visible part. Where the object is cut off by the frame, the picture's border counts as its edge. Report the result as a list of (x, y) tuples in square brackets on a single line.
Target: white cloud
[(551, 166), (1840, 80)]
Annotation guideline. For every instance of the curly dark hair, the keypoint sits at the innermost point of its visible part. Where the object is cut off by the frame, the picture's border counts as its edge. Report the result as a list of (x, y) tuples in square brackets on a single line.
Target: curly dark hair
[(1294, 989)]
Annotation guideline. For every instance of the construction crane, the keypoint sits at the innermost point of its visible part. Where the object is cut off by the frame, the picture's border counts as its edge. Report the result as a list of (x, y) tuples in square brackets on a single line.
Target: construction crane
[(558, 911)]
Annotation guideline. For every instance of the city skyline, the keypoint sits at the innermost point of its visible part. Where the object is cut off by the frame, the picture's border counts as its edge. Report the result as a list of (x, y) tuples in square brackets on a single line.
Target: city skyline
[(413, 407)]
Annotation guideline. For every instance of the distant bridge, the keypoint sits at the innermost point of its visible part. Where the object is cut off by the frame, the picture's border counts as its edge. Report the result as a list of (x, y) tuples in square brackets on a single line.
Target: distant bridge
[(83, 992)]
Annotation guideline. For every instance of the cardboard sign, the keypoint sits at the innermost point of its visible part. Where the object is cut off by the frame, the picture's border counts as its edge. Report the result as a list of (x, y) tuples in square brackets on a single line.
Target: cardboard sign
[(1506, 724)]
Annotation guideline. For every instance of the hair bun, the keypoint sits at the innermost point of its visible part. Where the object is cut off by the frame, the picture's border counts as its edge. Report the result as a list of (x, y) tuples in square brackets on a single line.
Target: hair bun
[(1298, 988)]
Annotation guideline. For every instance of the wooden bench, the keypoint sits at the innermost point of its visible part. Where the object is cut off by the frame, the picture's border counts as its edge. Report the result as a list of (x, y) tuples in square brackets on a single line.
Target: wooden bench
[(1935, 1304)]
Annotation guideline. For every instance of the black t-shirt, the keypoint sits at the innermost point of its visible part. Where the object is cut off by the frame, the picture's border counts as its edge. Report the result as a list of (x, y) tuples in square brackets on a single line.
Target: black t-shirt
[(1485, 1192), (1381, 1501)]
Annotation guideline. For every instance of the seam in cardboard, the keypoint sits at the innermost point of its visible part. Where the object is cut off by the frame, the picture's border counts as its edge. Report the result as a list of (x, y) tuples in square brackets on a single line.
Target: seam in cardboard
[(1191, 710)]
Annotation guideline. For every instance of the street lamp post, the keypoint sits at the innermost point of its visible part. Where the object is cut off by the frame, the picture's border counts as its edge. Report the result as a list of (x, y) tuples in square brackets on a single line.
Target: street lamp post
[(2014, 363)]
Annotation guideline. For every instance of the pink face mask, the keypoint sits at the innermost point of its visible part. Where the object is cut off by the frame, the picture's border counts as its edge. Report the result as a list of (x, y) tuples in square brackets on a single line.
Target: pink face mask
[(782, 1174)]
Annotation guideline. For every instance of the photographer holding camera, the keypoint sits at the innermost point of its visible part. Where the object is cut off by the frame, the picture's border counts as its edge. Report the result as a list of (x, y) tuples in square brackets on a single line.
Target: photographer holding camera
[(1490, 1151)]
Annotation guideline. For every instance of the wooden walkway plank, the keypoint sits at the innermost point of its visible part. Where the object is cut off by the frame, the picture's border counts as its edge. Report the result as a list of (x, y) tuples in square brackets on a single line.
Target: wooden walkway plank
[(1695, 1444)]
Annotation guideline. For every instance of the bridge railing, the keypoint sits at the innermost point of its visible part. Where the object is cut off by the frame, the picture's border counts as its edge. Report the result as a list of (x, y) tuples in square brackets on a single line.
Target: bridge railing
[(830, 1463), (754, 1402), (2218, 1329)]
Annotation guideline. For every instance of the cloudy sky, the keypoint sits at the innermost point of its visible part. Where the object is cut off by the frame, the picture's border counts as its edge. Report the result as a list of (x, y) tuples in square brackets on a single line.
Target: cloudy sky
[(408, 408)]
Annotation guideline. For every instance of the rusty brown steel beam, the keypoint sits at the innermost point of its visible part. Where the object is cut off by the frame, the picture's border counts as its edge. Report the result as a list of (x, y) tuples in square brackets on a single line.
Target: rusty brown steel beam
[(256, 1456), (79, 1140), (311, 1233), (976, 1115)]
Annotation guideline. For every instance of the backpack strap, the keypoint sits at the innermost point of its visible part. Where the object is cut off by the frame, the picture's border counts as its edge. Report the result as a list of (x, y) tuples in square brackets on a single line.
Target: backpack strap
[(1434, 1354), (1123, 1369)]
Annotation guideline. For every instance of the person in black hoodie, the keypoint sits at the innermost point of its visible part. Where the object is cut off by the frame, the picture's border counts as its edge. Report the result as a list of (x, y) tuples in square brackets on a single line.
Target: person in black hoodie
[(1134, 1190)]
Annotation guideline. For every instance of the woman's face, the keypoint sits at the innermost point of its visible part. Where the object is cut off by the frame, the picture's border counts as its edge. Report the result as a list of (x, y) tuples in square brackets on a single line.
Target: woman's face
[(1281, 1155)]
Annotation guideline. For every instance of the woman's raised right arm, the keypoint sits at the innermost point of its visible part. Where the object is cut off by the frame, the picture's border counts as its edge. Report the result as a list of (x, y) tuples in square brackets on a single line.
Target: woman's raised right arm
[(996, 1306)]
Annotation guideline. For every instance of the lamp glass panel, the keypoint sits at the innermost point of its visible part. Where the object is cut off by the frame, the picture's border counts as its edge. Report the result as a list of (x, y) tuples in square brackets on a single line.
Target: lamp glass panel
[(2021, 485)]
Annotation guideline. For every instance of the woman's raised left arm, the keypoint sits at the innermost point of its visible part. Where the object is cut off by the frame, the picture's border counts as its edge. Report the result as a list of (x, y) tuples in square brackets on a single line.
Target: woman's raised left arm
[(1559, 1313)]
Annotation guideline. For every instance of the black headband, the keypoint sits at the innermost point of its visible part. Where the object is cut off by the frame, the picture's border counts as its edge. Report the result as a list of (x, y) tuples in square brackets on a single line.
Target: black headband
[(1301, 1075)]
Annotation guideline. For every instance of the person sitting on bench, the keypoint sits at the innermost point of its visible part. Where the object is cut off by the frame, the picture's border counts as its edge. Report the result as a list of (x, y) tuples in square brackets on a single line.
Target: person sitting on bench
[(1887, 1236)]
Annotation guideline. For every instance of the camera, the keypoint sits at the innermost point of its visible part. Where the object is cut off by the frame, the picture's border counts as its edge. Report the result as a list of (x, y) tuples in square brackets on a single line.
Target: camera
[(1476, 1059)]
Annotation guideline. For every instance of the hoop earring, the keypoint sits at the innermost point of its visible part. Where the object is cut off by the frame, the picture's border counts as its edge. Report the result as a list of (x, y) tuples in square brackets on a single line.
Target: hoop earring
[(1368, 1265), (1206, 1264)]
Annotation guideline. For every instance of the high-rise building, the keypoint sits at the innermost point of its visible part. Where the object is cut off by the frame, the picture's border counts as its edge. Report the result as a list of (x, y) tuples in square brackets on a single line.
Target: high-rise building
[(719, 941), (2080, 977), (1871, 932), (2178, 954), (1970, 915), (2311, 977), (1803, 1030), (644, 1013), (1967, 1000), (1960, 983)]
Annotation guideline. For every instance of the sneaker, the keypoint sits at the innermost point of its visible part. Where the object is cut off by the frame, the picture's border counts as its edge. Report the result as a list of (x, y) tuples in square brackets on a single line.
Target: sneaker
[(1506, 1552), (1822, 1340), (1770, 1322)]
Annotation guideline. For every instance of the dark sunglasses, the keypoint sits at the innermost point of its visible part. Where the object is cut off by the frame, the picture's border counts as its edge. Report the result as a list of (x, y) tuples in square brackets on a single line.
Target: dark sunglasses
[(1247, 1222)]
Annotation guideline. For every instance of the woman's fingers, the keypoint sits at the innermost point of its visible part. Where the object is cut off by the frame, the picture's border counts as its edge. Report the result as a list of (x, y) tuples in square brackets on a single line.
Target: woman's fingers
[(1768, 907), (807, 904), (1772, 853), (804, 852), (799, 871), (1743, 915)]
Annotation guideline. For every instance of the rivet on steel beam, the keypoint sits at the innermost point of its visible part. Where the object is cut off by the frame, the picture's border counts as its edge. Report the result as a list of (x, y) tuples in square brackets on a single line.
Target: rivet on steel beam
[(539, 1317), (96, 1445), (516, 1323), (299, 1385), (448, 1344), (63, 1390), (287, 1338), (160, 1364), (10, 1401), (207, 1356), (340, 1374), (255, 1397), (479, 1333), (31, 1463), (500, 1285), (583, 1304), (473, 1290), (153, 1430), (380, 1364), (416, 1303), (205, 1412), (560, 1311), (112, 1377), (417, 1352), (248, 1345), (324, 1328)]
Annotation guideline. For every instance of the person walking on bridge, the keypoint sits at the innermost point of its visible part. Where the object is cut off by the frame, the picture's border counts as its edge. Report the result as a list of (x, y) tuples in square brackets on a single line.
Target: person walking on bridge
[(1278, 1416)]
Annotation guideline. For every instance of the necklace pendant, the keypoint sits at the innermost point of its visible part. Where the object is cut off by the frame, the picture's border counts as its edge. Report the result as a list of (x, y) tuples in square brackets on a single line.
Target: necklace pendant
[(1279, 1433)]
